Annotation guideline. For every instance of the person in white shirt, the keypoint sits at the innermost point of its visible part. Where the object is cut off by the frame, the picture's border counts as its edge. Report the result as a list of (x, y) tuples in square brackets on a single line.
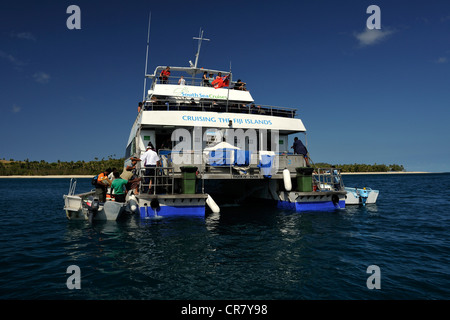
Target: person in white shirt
[(182, 82), (150, 160)]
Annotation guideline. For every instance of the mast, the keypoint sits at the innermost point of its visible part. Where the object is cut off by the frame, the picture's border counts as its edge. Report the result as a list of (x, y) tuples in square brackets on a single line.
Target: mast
[(146, 55), (200, 39), (229, 84)]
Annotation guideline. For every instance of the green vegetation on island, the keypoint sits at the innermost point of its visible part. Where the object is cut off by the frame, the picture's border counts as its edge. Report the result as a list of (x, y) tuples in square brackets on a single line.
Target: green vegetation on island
[(43, 168), (357, 167)]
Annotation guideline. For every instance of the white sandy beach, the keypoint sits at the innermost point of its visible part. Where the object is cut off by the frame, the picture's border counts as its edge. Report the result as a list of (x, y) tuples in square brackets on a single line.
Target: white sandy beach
[(391, 172), (68, 176)]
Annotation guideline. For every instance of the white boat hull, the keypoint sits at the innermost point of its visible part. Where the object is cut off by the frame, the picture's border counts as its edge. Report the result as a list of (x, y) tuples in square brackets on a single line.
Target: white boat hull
[(77, 207), (355, 195)]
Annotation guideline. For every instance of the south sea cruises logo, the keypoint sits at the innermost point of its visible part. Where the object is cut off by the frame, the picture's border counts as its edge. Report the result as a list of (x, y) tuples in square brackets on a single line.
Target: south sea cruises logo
[(184, 92)]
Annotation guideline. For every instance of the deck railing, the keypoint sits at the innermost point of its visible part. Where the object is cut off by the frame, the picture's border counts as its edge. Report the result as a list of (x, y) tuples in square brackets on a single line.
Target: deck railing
[(227, 167), (213, 106), (209, 104), (189, 80), (162, 180), (328, 179)]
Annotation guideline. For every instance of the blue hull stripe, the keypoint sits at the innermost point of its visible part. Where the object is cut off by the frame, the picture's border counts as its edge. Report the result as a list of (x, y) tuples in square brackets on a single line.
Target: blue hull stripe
[(311, 206), (167, 211)]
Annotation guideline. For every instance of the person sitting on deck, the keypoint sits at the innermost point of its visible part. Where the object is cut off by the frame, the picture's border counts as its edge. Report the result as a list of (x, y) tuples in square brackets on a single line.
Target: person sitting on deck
[(211, 79), (299, 148), (218, 78), (205, 81), (164, 75), (221, 81), (239, 85)]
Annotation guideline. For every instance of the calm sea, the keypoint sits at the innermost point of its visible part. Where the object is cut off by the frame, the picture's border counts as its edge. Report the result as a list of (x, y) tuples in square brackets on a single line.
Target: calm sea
[(248, 252)]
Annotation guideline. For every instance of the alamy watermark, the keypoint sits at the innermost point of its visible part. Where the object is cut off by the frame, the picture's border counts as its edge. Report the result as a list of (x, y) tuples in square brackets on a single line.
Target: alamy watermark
[(374, 281), (374, 21), (74, 280), (74, 21), (188, 148)]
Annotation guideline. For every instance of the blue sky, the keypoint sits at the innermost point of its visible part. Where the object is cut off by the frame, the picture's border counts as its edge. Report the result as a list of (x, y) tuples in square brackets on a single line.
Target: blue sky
[(364, 97)]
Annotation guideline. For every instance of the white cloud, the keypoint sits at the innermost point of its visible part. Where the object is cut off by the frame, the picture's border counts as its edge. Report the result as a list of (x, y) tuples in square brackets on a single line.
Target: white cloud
[(11, 59), (371, 37), (23, 35), (441, 60), (41, 77), (445, 19), (16, 108)]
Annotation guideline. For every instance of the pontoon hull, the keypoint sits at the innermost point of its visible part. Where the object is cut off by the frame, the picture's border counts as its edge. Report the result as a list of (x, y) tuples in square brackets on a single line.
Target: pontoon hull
[(189, 205), (312, 201)]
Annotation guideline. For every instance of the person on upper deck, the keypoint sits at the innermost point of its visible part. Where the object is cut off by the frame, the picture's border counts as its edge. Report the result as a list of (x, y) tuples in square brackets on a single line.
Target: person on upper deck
[(239, 85), (182, 82), (218, 78), (205, 79), (164, 75), (221, 81), (299, 148), (211, 79)]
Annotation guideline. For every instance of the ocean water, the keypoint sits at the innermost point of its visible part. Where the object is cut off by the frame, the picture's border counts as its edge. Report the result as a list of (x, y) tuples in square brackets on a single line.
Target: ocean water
[(251, 252)]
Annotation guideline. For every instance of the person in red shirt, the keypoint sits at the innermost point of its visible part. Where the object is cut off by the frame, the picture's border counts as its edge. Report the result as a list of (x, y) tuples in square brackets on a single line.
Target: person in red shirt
[(220, 81), (164, 75)]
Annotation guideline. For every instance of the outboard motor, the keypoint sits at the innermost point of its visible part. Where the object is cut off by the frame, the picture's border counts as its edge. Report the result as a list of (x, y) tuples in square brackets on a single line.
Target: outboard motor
[(363, 194), (154, 204), (93, 208)]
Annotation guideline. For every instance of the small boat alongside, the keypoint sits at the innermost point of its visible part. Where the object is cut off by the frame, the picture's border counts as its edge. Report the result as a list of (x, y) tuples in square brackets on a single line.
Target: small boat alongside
[(317, 189), (86, 206), (361, 196)]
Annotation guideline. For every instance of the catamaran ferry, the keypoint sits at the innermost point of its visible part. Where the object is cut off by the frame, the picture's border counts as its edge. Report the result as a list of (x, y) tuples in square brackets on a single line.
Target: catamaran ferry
[(217, 146)]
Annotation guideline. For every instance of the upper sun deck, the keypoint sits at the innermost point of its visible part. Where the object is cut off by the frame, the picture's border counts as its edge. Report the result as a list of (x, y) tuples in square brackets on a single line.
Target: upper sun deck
[(188, 83), (186, 89)]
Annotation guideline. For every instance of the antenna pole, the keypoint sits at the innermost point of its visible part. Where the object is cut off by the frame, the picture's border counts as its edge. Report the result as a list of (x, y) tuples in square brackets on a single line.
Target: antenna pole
[(229, 84), (200, 39), (146, 55)]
